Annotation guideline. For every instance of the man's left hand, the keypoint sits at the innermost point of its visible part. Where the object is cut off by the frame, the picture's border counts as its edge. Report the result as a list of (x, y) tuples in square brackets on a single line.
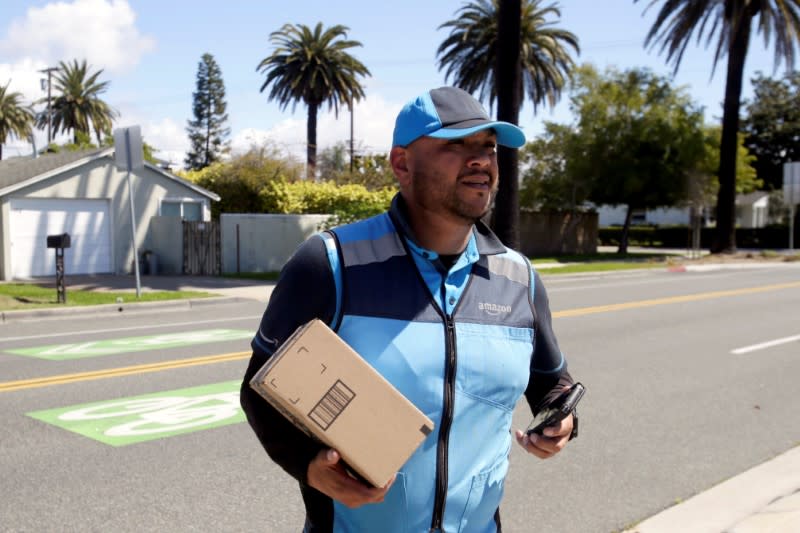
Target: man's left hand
[(550, 442)]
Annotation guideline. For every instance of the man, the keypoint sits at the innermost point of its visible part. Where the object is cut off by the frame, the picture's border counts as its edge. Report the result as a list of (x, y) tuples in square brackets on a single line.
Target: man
[(431, 298)]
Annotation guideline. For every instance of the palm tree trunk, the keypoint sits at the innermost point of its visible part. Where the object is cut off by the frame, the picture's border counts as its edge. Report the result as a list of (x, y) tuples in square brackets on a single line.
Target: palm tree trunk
[(725, 235), (311, 141), (508, 78)]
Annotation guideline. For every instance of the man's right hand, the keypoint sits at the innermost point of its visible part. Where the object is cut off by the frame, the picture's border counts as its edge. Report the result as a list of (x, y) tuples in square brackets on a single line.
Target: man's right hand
[(327, 475)]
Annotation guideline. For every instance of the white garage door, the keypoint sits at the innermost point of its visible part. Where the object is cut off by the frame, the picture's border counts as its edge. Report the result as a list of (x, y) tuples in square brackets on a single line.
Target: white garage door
[(87, 222)]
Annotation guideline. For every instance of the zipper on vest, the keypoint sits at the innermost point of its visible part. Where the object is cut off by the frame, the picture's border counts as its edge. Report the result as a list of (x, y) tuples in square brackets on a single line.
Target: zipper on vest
[(440, 498)]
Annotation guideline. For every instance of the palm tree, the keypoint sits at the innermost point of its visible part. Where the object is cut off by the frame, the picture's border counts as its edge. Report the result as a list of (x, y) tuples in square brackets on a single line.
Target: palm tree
[(471, 55), (312, 66), (730, 22), (15, 118), (79, 108)]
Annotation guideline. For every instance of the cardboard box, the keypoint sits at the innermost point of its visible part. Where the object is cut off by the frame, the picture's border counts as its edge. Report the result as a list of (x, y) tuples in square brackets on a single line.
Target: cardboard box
[(330, 392)]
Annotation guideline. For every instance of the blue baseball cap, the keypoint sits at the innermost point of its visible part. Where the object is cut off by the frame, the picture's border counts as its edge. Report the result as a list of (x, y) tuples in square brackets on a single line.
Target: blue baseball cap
[(450, 113)]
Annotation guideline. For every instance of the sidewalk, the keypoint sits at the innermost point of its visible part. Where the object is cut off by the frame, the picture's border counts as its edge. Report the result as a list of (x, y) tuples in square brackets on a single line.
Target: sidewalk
[(764, 499), (229, 287), (226, 290)]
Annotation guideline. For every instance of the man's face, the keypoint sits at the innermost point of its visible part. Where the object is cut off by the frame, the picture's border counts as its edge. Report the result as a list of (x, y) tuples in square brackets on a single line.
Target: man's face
[(453, 177)]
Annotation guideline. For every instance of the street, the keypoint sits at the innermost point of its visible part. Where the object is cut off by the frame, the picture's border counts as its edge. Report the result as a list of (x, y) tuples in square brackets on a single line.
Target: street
[(131, 422)]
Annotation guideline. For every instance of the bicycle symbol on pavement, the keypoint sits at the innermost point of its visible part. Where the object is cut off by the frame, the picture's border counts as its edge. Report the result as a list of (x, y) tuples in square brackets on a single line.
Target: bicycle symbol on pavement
[(153, 416)]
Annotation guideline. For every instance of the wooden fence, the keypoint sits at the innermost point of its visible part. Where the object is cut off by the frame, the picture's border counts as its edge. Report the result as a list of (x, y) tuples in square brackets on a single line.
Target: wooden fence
[(201, 248)]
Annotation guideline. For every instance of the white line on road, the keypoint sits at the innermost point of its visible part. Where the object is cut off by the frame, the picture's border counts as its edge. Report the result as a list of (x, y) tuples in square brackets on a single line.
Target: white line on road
[(131, 328), (763, 345)]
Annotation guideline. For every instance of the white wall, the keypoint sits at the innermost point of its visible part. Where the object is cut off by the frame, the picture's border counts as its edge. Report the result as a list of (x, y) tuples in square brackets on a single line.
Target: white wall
[(265, 241)]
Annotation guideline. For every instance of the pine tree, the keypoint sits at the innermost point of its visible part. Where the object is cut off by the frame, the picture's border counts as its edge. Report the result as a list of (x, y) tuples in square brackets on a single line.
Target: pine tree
[(207, 131)]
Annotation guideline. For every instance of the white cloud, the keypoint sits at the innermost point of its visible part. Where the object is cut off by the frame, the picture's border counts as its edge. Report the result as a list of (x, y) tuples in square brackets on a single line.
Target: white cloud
[(166, 136), (288, 136), (373, 125), (101, 31), (24, 77)]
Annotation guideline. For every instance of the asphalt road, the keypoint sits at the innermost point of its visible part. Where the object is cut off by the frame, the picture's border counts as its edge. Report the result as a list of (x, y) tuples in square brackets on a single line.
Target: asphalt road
[(671, 409)]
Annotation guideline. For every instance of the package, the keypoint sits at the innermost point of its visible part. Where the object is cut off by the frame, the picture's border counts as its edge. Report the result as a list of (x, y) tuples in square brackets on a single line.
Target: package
[(331, 393)]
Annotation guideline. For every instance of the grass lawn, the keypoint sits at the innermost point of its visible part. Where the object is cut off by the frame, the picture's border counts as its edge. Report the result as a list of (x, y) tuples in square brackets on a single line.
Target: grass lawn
[(18, 296)]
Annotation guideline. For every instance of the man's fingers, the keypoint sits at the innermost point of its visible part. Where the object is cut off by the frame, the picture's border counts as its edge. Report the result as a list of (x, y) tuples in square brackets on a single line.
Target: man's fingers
[(541, 447), (562, 428), (327, 474), (355, 494)]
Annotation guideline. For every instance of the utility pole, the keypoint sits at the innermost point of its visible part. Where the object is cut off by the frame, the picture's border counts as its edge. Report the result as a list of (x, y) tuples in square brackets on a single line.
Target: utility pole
[(351, 133), (49, 71)]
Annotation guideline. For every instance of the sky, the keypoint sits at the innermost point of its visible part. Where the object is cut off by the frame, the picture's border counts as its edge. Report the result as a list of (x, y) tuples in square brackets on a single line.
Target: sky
[(149, 52)]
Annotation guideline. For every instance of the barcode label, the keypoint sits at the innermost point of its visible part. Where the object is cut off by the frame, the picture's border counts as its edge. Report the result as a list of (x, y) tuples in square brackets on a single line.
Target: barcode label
[(331, 405)]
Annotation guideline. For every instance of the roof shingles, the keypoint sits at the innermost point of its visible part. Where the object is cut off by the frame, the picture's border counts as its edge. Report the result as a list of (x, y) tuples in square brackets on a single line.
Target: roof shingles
[(19, 169)]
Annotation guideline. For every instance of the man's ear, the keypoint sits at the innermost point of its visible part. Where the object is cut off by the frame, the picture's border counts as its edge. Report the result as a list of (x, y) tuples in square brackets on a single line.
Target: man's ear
[(398, 157)]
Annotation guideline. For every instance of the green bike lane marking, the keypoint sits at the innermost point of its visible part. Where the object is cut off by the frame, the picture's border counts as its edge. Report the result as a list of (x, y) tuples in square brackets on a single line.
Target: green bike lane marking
[(125, 421), (62, 352)]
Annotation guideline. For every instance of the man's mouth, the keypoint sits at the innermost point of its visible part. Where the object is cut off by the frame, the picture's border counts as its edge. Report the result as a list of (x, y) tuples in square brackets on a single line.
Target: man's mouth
[(477, 181)]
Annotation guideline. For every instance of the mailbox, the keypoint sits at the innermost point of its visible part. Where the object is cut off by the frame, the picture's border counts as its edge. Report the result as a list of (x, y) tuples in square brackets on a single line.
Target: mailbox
[(58, 241)]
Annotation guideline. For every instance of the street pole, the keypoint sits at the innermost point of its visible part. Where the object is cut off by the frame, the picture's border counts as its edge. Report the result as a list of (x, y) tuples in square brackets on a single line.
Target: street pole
[(791, 193), (49, 72), (133, 220), (129, 156)]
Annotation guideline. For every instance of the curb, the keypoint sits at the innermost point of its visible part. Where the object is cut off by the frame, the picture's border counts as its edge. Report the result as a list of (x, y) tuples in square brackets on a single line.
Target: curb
[(126, 308)]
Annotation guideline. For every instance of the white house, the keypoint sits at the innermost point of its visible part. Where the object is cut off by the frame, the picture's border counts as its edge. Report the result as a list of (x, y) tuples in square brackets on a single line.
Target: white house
[(752, 210), (83, 194), (615, 216)]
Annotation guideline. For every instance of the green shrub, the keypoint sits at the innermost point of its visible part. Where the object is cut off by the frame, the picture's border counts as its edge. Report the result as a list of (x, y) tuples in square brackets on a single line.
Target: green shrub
[(346, 203)]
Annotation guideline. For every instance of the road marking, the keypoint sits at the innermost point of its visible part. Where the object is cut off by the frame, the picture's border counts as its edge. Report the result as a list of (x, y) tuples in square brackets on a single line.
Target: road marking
[(130, 328), (764, 345), (9, 386), (124, 421), (62, 352), (181, 363), (672, 300)]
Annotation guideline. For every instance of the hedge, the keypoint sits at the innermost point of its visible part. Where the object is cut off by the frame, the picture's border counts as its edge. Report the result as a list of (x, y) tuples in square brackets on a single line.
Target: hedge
[(346, 203), (680, 237)]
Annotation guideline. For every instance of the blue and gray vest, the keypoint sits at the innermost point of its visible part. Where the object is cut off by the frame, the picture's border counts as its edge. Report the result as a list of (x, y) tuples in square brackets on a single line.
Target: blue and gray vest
[(458, 344)]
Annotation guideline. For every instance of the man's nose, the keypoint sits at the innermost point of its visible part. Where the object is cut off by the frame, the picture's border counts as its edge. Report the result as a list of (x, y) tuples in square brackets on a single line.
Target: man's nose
[(480, 156)]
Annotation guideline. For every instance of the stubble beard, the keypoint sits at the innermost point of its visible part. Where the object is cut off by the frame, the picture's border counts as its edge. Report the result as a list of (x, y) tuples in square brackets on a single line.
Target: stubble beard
[(429, 194)]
